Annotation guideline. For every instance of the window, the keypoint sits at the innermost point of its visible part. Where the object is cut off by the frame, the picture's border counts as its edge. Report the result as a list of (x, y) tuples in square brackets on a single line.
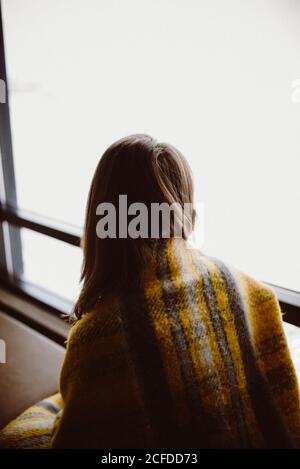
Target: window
[(61, 274), (220, 80)]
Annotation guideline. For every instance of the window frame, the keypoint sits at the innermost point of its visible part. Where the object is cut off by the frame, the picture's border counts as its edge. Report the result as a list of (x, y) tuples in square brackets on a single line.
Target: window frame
[(10, 239), (12, 219)]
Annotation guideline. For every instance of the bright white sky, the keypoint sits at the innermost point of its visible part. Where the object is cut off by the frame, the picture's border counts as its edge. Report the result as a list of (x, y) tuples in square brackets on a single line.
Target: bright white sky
[(214, 78)]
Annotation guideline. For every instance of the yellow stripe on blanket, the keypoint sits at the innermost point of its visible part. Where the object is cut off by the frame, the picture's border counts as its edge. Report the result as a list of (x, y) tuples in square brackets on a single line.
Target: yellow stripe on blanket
[(34, 427)]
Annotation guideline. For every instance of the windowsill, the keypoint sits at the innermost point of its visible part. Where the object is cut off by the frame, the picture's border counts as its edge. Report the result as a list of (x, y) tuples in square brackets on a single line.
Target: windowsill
[(35, 315), (290, 304), (287, 296)]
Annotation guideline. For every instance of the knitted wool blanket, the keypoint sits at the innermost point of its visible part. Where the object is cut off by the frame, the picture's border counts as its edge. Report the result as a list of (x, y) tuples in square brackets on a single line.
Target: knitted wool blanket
[(196, 357), (33, 429)]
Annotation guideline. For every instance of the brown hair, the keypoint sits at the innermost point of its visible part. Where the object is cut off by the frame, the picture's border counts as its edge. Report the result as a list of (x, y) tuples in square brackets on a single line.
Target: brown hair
[(146, 171)]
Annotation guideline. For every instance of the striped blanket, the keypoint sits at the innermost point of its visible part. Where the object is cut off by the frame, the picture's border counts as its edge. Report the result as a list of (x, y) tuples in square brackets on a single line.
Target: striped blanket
[(195, 357), (34, 427)]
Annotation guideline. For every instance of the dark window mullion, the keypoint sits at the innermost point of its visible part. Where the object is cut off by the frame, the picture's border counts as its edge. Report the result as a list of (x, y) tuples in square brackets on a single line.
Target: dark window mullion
[(10, 238), (3, 263)]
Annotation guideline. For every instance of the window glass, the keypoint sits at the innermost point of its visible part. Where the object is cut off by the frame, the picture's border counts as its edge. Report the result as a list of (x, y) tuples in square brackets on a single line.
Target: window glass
[(51, 264), (220, 80)]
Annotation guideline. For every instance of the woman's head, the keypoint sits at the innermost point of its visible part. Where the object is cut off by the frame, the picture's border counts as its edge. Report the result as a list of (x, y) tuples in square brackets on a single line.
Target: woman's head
[(148, 173)]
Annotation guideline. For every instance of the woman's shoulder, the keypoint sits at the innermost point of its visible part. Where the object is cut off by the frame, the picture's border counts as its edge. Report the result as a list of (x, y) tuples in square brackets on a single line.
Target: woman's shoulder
[(232, 278), (100, 321)]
